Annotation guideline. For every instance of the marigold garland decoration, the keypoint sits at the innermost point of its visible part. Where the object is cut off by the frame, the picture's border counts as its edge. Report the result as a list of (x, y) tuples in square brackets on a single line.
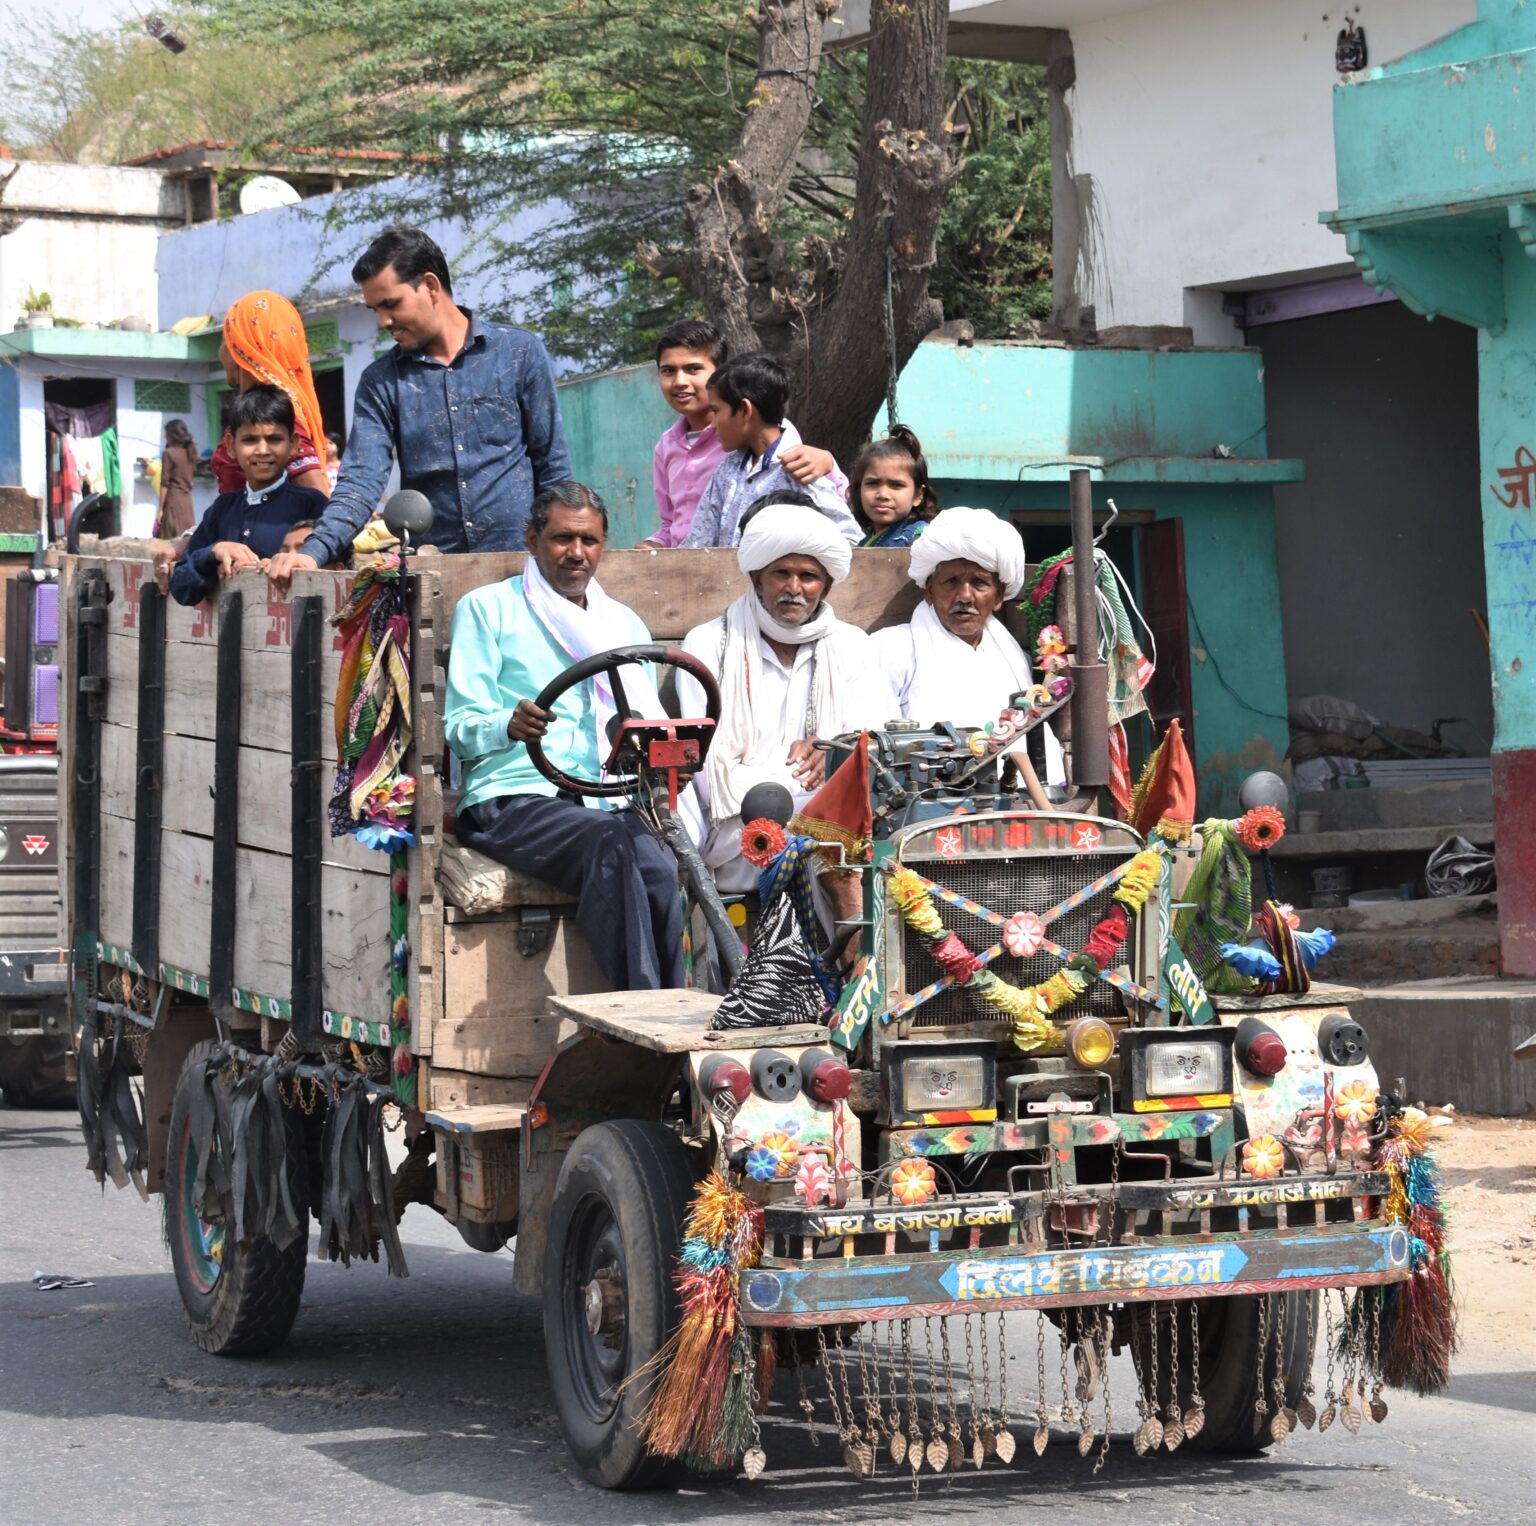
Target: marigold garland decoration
[(1140, 880), (710, 1382), (762, 841), (1030, 1007), (1260, 828)]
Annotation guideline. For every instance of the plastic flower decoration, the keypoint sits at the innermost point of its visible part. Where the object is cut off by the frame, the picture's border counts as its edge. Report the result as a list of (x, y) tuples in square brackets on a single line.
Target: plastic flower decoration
[(1262, 827), (762, 841), (1264, 1157), (1023, 933), (913, 1182), (1052, 642)]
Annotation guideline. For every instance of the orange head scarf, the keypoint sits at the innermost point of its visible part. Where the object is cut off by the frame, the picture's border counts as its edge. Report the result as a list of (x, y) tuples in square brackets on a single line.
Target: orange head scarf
[(266, 336)]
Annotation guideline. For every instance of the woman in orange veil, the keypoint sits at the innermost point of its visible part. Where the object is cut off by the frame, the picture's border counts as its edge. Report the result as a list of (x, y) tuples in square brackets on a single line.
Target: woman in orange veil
[(264, 341)]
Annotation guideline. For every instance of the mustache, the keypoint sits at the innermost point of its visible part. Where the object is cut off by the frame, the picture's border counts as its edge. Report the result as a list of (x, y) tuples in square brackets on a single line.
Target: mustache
[(964, 607), (791, 601)]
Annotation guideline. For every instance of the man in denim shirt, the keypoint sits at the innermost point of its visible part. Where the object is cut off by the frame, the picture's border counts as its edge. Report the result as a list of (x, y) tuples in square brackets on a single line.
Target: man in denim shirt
[(467, 406)]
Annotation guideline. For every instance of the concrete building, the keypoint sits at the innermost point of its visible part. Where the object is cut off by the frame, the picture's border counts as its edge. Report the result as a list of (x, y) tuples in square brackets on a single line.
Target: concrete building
[(86, 235)]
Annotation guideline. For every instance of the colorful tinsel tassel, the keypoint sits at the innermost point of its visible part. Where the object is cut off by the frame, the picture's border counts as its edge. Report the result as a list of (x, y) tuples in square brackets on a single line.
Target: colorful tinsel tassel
[(710, 1385), (1418, 1317)]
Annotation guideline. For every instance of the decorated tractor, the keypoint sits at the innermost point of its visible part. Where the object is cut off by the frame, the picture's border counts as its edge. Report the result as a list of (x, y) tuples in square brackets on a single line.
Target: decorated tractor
[(1047, 1087)]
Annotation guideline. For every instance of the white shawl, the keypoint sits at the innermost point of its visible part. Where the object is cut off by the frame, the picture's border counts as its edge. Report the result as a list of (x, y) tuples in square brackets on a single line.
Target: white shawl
[(842, 698), (583, 632)]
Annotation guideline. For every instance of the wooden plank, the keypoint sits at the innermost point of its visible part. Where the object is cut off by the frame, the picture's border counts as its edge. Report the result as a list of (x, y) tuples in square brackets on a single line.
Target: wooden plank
[(356, 918), (191, 686), (496, 1020), (264, 820), (498, 1046), (117, 881), (673, 591), (494, 1118), (454, 1089), (673, 1022), (424, 760)]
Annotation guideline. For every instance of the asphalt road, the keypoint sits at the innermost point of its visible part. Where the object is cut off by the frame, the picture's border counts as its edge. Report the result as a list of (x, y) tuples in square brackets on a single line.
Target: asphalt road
[(425, 1400)]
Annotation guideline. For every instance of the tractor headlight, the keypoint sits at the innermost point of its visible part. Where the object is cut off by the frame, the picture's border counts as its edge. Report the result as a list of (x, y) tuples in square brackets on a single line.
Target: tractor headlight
[(943, 1083), (1175, 1068), (1090, 1041)]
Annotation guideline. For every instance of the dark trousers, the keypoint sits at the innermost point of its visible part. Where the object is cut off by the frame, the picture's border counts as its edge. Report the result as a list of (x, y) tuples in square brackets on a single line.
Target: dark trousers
[(625, 881)]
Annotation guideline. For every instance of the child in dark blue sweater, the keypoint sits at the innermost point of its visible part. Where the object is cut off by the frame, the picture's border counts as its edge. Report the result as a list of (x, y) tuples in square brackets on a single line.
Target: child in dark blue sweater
[(244, 528)]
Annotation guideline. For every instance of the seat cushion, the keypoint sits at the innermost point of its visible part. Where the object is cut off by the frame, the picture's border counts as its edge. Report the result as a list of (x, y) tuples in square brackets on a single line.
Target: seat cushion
[(479, 886)]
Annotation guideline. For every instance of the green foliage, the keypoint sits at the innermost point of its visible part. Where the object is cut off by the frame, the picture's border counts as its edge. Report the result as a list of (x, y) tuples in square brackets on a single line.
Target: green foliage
[(994, 255), (102, 96), (37, 301), (607, 108)]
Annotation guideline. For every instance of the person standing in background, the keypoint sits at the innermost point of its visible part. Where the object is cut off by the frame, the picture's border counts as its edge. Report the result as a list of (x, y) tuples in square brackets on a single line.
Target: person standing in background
[(178, 461)]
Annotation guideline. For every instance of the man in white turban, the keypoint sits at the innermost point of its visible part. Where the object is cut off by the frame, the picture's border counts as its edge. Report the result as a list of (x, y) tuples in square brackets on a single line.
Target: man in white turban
[(790, 672), (955, 660)]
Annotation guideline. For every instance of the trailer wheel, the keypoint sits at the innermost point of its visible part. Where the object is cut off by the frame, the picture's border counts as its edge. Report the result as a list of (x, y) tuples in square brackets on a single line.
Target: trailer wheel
[(1229, 1363), (239, 1300), (609, 1299)]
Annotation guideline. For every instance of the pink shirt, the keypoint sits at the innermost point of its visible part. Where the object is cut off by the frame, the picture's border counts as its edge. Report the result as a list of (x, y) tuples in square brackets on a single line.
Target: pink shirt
[(681, 469)]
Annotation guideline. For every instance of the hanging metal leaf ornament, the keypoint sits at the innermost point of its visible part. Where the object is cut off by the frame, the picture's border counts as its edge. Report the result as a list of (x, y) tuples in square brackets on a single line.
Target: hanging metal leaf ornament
[(1351, 1418), (978, 1450), (1042, 1440), (986, 1434), (753, 1461), (850, 1461), (938, 1453), (1325, 1419), (898, 1448), (1194, 1422), (864, 1458), (1378, 1408), (1086, 1440), (915, 1449), (1279, 1427), (1173, 1434), (1004, 1445), (1154, 1433), (1290, 1418), (1306, 1412), (1142, 1439)]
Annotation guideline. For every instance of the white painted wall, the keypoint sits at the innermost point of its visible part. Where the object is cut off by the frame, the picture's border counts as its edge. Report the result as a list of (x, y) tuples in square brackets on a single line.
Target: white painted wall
[(1207, 129), (294, 250), (99, 267)]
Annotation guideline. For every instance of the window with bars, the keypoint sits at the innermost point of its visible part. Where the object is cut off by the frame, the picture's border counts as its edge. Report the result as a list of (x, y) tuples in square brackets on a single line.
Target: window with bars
[(324, 336), (151, 395)]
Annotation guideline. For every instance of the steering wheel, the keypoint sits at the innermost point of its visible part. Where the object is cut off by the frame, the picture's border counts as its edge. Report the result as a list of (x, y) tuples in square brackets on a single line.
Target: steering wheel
[(610, 662)]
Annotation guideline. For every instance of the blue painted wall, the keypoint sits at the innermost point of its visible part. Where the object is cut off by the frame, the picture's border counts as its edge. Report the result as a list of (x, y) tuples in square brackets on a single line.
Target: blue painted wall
[(10, 426)]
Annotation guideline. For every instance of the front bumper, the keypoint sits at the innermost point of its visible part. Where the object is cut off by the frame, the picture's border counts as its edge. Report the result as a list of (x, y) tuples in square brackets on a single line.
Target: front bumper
[(836, 1266)]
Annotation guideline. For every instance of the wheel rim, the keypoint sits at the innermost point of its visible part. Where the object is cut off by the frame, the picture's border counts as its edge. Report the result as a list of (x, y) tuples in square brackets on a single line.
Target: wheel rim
[(204, 1241), (594, 1303)]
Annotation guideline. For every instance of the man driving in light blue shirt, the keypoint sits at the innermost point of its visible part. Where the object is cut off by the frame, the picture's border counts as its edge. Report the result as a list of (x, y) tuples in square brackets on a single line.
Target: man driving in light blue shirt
[(510, 641)]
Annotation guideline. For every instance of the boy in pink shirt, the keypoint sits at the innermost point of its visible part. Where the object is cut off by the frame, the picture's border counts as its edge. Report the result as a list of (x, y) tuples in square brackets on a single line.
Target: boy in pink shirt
[(687, 355)]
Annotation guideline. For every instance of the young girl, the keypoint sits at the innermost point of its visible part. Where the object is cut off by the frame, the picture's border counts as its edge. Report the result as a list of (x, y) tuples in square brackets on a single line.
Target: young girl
[(889, 491)]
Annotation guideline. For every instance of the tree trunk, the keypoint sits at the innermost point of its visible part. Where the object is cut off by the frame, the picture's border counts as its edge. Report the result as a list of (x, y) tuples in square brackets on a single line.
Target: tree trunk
[(827, 317)]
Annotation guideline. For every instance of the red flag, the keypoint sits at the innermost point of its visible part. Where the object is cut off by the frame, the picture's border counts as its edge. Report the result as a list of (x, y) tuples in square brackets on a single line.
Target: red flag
[(840, 811), (1165, 794)]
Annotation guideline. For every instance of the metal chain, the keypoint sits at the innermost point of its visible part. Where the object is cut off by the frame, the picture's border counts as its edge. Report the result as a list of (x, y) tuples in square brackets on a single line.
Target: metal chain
[(807, 1407), (1260, 1403)]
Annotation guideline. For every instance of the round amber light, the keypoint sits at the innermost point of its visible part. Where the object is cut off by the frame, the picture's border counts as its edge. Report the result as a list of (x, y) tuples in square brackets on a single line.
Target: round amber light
[(1090, 1041)]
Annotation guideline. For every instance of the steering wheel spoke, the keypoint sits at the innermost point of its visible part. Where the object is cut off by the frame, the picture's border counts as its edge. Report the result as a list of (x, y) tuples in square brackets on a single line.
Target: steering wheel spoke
[(610, 663)]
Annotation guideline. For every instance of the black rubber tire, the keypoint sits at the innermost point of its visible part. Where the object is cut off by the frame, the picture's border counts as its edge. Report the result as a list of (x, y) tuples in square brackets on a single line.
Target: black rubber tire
[(252, 1304), (639, 1176), (33, 1070), (1229, 1365)]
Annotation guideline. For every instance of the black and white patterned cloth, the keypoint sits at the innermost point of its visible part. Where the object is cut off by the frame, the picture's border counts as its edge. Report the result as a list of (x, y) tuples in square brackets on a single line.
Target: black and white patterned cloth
[(777, 987)]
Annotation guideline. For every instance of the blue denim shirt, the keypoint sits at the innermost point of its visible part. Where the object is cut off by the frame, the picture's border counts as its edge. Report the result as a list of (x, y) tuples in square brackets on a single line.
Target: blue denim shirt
[(479, 436)]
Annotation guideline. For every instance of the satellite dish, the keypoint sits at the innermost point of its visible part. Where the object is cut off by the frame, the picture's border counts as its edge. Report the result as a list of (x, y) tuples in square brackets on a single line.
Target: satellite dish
[(263, 192), (408, 513)]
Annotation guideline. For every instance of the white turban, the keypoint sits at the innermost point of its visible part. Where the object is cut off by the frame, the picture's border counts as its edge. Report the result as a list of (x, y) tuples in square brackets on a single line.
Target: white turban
[(971, 535), (794, 529)]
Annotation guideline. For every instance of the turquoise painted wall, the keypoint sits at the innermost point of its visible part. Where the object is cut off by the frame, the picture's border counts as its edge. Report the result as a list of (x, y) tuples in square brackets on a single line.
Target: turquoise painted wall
[(1507, 423), (1003, 425), (612, 421)]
